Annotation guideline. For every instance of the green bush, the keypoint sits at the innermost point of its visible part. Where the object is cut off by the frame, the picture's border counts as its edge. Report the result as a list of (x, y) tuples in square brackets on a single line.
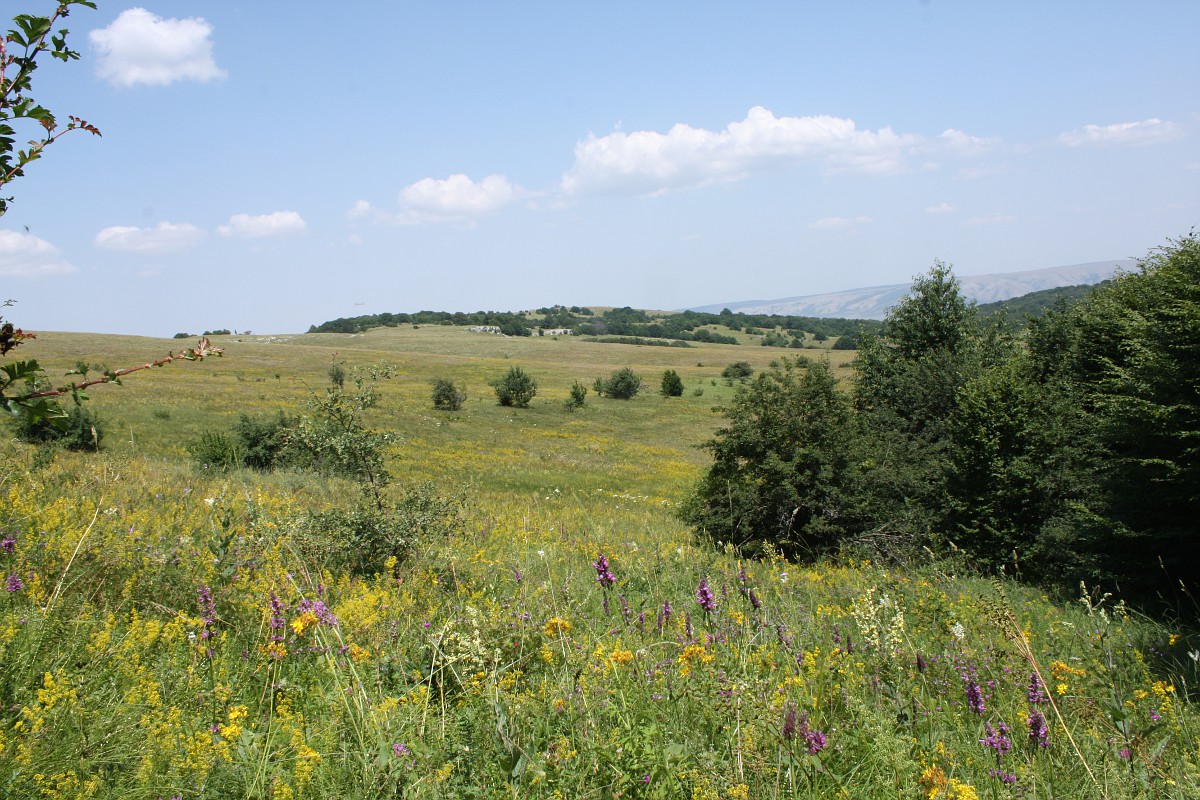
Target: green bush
[(261, 443), (623, 384), (672, 384), (738, 371), (578, 396), (516, 388), (80, 430), (362, 538), (447, 396)]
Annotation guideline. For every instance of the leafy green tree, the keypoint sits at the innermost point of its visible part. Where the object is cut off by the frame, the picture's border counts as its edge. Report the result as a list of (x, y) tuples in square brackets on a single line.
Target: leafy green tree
[(623, 384), (738, 371), (781, 465), (577, 397), (448, 396), (672, 384), (1134, 361), (516, 388)]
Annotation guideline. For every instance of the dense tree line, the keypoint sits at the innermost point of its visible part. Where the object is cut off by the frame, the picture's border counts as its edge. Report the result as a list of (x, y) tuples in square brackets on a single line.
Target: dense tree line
[(688, 326), (1067, 451)]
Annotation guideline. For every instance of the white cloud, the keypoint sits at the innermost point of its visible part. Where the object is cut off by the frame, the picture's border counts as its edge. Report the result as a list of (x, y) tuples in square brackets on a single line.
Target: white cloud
[(991, 219), (648, 162), (839, 223), (964, 144), (1144, 132), (941, 208), (142, 47), (161, 238), (23, 255), (360, 209), (277, 223), (455, 198)]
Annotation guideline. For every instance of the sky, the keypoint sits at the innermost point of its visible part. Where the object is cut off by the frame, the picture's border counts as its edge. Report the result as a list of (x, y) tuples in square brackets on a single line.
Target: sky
[(268, 166)]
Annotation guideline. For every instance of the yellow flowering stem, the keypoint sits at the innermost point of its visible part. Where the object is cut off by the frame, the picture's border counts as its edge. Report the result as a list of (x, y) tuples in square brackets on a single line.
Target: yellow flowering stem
[(71, 560)]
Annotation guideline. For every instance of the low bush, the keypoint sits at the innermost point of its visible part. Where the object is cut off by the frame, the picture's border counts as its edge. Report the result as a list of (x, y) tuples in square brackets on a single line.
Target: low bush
[(672, 384), (623, 384), (516, 388), (80, 430), (447, 396)]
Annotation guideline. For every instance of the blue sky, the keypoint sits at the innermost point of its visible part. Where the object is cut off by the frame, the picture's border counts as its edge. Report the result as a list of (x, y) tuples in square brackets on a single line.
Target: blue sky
[(267, 166)]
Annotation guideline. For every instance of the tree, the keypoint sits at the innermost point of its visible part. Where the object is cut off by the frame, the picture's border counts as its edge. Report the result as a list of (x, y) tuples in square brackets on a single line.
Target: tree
[(516, 388), (448, 396), (738, 371), (624, 384), (672, 384), (781, 465)]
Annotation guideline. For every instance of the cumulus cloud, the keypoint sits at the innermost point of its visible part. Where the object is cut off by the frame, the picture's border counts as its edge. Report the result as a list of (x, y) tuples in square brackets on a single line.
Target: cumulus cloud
[(161, 238), (455, 198), (941, 208), (1122, 133), (839, 223), (142, 47), (278, 223), (23, 255), (649, 162)]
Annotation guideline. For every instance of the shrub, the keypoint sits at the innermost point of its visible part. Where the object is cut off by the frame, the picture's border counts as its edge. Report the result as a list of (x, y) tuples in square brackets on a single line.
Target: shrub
[(623, 384), (672, 384), (362, 538), (261, 443), (578, 395), (447, 396), (215, 450), (738, 371), (516, 388), (182, 336), (81, 430)]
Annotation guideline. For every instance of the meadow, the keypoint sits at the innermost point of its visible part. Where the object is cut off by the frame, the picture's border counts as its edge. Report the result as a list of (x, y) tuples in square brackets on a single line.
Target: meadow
[(168, 630)]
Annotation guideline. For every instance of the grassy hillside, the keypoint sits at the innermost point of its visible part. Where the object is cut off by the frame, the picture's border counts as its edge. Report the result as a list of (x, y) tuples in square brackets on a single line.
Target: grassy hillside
[(171, 631)]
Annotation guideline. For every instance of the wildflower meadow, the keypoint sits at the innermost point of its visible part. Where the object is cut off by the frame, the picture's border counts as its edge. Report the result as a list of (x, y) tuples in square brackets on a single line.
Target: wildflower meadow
[(171, 630)]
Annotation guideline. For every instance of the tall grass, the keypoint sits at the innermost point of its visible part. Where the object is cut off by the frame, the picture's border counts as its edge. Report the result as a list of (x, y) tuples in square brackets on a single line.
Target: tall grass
[(170, 632)]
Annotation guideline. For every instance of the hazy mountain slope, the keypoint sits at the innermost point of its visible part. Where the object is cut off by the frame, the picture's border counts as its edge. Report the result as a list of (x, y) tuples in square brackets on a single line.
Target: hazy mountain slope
[(873, 301)]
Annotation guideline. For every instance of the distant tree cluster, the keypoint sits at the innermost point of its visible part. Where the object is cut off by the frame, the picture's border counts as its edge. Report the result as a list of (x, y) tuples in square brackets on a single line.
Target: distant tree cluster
[(1064, 452), (685, 326)]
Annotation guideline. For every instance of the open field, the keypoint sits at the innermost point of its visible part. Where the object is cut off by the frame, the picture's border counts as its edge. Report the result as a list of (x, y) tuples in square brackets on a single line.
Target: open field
[(172, 631)]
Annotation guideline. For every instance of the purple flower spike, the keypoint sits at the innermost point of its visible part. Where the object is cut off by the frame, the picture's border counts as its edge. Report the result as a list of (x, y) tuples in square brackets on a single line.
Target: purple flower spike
[(1036, 693), (704, 596), (13, 584), (789, 723), (9, 544), (1039, 734), (975, 698), (604, 575)]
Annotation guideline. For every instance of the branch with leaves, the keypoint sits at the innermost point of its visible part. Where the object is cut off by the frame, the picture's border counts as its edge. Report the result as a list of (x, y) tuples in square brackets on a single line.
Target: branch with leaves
[(19, 51)]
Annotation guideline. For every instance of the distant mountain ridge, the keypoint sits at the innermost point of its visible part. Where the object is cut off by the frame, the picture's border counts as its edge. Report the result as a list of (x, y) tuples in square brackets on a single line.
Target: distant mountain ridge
[(872, 302)]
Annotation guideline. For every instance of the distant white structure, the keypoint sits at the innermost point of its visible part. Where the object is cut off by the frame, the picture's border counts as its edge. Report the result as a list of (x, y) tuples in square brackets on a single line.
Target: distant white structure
[(485, 329), (556, 331)]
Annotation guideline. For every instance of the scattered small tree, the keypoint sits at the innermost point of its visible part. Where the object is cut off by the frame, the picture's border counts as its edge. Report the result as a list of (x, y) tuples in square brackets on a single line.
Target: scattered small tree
[(623, 384), (672, 384), (578, 396), (738, 371), (516, 388), (447, 396)]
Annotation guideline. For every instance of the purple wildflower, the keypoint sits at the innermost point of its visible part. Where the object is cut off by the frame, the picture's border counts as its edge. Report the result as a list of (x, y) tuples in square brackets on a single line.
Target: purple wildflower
[(704, 596), (1002, 776), (1039, 734), (324, 615), (278, 618), (517, 575), (1125, 754), (921, 665), (815, 739), (604, 575), (626, 611), (1036, 693), (789, 723), (664, 614), (400, 750), (997, 738), (9, 544), (975, 697), (754, 601), (13, 584), (208, 610)]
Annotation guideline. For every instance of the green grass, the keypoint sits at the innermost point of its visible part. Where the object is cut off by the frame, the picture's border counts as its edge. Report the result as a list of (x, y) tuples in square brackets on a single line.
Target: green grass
[(492, 663)]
